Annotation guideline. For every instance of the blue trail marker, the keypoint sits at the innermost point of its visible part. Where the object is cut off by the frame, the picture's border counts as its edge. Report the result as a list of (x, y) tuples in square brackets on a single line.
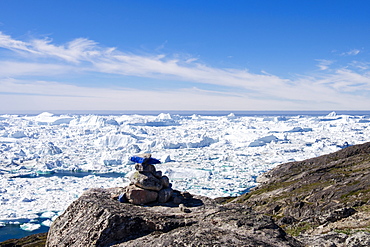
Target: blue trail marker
[(141, 160)]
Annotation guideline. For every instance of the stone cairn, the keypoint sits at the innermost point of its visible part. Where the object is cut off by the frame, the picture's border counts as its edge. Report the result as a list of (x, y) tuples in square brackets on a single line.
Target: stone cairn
[(146, 184)]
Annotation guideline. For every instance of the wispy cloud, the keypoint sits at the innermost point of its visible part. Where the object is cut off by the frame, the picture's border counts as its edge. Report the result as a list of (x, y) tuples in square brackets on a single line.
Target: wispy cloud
[(360, 65), (111, 61), (15, 69), (352, 52), (324, 64), (330, 88), (7, 42)]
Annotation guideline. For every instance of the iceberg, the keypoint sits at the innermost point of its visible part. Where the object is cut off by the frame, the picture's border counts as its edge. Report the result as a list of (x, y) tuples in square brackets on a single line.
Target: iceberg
[(263, 141), (17, 134), (299, 129), (47, 223), (30, 227)]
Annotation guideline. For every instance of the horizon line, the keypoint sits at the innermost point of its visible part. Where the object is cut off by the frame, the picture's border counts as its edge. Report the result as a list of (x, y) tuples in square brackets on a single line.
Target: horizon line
[(187, 112)]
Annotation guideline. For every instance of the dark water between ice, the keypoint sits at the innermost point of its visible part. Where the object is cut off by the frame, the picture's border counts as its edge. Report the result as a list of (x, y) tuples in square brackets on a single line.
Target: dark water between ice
[(14, 231), (78, 174)]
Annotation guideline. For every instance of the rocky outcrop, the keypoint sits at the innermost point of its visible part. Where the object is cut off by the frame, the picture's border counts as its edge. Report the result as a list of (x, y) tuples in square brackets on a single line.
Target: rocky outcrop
[(98, 219), (320, 198)]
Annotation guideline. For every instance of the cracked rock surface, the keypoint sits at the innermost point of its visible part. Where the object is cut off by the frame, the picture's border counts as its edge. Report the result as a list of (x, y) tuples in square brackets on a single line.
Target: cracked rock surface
[(96, 219)]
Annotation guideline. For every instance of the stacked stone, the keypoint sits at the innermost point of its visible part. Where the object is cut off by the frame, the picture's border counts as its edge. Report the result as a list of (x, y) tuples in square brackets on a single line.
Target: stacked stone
[(147, 184)]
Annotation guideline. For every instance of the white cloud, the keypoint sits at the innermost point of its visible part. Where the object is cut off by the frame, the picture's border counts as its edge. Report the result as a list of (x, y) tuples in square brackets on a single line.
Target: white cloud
[(111, 61), (14, 69), (360, 65), (7, 42), (352, 52), (74, 51), (42, 95), (324, 64), (345, 80), (330, 89), (17, 95)]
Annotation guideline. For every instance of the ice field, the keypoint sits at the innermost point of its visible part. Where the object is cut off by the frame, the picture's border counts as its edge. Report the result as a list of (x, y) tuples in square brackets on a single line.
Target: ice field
[(47, 161)]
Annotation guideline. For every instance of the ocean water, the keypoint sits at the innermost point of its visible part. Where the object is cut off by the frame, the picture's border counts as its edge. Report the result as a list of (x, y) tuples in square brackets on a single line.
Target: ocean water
[(11, 231), (47, 160)]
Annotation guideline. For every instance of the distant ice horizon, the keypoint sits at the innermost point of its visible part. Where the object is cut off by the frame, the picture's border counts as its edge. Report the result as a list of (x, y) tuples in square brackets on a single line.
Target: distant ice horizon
[(189, 112)]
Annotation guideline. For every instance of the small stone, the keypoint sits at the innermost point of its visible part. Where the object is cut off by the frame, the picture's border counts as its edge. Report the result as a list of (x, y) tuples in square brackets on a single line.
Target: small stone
[(165, 182), (143, 167), (184, 209), (287, 220), (158, 174), (165, 194), (136, 195)]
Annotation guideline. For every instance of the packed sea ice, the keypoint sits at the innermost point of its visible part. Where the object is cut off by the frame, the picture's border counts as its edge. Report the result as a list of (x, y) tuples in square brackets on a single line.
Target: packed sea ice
[(47, 161)]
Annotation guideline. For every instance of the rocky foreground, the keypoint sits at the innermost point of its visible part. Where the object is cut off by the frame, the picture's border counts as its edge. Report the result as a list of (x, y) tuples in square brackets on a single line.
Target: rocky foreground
[(324, 201), (95, 219)]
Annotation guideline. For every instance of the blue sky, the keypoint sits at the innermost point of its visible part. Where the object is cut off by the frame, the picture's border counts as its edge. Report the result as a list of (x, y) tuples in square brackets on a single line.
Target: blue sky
[(184, 55)]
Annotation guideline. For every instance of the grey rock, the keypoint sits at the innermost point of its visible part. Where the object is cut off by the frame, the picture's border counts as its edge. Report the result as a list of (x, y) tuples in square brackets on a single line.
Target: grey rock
[(165, 194), (331, 239), (145, 167), (358, 239), (338, 214), (158, 174), (335, 239), (177, 199), (165, 182), (95, 219), (136, 195), (146, 180)]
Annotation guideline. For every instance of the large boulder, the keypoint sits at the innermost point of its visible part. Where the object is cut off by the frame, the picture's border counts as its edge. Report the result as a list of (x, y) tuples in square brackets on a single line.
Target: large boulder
[(96, 219), (137, 195), (164, 195), (146, 180)]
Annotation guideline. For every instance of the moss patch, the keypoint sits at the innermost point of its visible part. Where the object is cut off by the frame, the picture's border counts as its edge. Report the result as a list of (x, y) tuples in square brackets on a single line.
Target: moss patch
[(295, 230), (35, 240)]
